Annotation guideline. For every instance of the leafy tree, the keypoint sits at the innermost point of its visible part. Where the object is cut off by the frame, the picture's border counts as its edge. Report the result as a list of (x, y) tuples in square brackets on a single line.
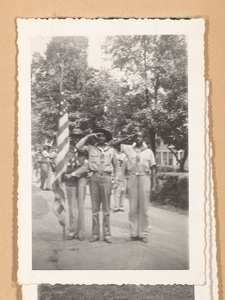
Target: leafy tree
[(83, 88), (154, 93), (145, 88), (46, 75)]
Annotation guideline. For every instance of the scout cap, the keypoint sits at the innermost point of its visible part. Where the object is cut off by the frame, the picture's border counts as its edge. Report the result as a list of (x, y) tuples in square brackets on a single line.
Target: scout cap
[(107, 134), (76, 132)]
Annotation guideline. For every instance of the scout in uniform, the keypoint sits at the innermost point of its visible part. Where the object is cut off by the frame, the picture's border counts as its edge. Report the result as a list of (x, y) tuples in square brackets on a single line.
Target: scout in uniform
[(75, 180), (103, 164), (118, 188), (46, 166), (140, 167)]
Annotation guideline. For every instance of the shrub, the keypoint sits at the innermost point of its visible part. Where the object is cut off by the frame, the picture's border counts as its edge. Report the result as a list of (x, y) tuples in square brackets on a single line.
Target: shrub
[(172, 189), (165, 169)]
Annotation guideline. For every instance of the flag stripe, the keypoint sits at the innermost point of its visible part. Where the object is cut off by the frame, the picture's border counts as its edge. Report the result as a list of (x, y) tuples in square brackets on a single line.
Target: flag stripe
[(63, 120), (61, 157), (60, 192), (62, 132), (59, 174), (61, 166), (63, 144), (61, 161), (61, 139)]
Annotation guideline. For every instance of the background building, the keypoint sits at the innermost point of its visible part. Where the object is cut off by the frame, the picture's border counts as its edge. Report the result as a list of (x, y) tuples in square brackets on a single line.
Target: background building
[(164, 157)]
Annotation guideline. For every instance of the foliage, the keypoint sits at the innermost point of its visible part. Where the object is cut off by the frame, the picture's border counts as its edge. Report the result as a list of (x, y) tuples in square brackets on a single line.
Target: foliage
[(165, 169), (143, 87), (153, 91), (83, 87), (172, 189)]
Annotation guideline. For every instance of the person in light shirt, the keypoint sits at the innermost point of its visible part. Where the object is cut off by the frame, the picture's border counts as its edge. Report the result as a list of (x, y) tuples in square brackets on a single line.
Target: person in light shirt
[(119, 187), (46, 168), (139, 167), (102, 164)]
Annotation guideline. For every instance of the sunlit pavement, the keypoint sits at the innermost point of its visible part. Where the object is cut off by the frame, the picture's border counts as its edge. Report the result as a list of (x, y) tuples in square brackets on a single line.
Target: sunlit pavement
[(167, 248)]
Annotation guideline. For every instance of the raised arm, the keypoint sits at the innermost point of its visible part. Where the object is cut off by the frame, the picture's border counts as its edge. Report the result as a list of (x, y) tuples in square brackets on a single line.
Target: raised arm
[(80, 145), (123, 140)]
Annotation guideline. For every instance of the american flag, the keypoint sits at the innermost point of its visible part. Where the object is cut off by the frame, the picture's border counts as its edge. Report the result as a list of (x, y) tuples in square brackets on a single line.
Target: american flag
[(61, 161)]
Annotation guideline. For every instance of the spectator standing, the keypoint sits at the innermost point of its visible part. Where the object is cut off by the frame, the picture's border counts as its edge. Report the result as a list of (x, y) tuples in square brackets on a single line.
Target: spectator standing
[(46, 167), (118, 187)]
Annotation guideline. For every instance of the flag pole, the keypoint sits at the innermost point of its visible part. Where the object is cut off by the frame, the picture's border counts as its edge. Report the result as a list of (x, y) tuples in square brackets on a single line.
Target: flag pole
[(61, 77), (61, 91)]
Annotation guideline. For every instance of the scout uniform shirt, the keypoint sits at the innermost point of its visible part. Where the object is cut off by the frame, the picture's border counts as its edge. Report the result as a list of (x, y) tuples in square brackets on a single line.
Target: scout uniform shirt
[(76, 164), (139, 160), (138, 168), (101, 160)]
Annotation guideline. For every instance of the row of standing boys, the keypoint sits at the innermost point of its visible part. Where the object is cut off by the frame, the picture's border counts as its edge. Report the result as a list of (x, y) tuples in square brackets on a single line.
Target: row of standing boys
[(97, 159)]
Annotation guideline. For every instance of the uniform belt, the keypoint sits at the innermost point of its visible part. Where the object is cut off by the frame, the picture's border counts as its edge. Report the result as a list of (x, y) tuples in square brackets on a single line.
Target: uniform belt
[(138, 174), (102, 173)]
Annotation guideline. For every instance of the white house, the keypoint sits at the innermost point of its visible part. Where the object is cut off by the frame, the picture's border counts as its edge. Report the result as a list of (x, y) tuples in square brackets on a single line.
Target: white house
[(164, 157)]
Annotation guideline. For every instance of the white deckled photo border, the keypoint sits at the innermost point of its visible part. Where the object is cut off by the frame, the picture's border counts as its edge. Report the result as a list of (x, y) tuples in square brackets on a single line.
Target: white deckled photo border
[(194, 31)]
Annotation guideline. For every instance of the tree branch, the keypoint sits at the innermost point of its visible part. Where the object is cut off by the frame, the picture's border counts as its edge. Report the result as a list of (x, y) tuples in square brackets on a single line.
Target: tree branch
[(174, 153)]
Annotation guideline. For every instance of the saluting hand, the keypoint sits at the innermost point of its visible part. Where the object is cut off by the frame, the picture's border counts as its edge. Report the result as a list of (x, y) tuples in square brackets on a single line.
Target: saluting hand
[(131, 137), (96, 135)]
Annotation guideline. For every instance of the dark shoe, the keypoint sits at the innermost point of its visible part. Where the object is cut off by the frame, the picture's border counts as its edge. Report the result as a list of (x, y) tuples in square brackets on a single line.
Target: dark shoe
[(133, 238), (122, 209), (94, 239), (144, 240), (80, 238), (71, 237), (108, 239)]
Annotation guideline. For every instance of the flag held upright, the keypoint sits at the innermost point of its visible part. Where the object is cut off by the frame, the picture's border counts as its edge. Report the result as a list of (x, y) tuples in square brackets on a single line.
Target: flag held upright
[(61, 159)]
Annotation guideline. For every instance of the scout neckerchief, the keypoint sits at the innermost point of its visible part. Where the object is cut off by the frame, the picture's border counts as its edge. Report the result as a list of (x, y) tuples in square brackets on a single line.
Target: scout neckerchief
[(102, 154)]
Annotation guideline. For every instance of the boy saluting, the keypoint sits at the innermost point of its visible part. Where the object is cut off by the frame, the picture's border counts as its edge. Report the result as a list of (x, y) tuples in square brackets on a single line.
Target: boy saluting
[(140, 166), (103, 163)]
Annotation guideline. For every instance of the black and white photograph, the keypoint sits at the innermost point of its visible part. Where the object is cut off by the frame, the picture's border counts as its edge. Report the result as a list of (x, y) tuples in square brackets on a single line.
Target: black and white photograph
[(102, 292), (123, 146), (208, 291), (111, 151)]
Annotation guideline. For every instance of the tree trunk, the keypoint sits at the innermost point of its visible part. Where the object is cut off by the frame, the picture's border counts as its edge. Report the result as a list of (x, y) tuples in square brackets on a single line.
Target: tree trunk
[(145, 70), (152, 139), (156, 88), (182, 162)]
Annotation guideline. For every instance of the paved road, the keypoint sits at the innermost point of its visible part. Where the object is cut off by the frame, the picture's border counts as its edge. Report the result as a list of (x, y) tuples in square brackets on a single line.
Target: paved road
[(167, 248)]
